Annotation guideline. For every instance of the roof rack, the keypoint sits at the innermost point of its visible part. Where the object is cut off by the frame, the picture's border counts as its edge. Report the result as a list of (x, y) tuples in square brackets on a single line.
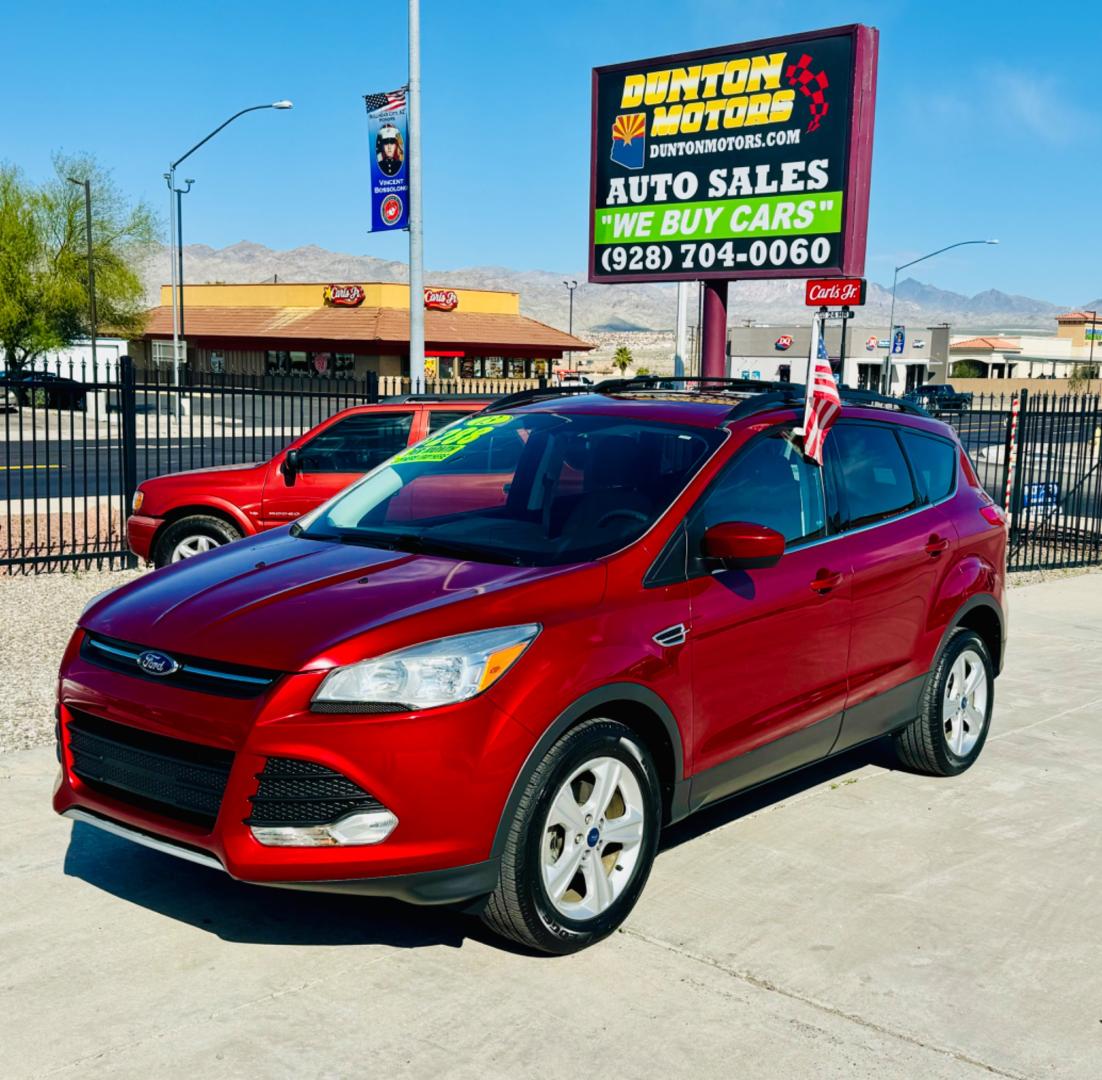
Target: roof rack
[(761, 395)]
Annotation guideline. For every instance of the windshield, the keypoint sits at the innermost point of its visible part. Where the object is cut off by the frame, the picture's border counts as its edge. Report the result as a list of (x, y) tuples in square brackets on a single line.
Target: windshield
[(530, 489)]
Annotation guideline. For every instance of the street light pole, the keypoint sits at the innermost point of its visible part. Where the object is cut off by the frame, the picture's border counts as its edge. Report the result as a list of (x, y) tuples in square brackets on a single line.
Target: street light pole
[(87, 185), (570, 287), (176, 232), (1090, 360), (886, 374), (416, 239)]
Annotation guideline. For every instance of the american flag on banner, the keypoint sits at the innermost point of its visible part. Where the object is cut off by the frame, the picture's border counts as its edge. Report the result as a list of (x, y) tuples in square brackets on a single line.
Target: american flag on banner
[(388, 102), (821, 400)]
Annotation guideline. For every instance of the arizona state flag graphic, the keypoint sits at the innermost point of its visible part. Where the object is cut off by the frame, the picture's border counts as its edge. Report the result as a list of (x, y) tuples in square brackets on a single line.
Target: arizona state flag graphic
[(629, 140)]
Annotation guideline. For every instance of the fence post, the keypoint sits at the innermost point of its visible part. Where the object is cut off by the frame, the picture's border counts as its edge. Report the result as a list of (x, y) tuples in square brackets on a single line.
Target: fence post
[(1014, 508), (128, 410)]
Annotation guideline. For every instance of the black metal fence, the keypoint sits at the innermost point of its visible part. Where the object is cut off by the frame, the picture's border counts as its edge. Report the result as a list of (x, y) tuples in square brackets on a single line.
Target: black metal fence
[(76, 443)]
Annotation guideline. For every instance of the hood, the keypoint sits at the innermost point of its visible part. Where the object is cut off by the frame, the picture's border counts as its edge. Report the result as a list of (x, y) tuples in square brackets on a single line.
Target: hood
[(221, 469), (284, 603)]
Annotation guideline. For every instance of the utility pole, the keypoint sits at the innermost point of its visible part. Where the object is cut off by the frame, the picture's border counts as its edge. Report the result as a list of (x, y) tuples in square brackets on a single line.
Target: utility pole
[(570, 287), (1092, 331), (681, 335), (416, 242), (87, 185)]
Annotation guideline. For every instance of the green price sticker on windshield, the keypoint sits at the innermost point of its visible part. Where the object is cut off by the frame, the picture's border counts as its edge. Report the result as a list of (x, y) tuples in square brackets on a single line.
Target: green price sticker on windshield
[(447, 443)]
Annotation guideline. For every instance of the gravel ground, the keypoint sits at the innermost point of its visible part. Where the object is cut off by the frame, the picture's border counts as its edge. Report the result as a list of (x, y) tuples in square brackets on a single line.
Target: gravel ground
[(38, 613)]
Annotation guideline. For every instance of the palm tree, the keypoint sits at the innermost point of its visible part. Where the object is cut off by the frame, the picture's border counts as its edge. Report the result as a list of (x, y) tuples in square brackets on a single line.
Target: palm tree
[(622, 359)]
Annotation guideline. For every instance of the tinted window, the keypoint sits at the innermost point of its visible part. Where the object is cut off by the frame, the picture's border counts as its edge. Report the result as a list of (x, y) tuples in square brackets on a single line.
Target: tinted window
[(532, 489), (769, 483), (875, 479), (441, 418), (357, 443), (934, 462)]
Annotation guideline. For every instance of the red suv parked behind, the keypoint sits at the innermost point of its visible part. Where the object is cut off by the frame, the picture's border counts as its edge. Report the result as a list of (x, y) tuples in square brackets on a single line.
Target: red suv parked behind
[(491, 670), (186, 513)]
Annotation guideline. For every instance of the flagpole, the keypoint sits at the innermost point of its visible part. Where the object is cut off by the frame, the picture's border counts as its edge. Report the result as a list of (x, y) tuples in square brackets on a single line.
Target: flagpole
[(416, 251)]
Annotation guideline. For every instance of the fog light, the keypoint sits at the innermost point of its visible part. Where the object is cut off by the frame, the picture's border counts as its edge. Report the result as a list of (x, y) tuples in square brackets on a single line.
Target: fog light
[(362, 827)]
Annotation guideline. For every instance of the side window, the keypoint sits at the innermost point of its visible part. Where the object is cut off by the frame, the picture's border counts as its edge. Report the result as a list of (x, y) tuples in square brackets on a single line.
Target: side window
[(357, 443), (770, 483), (934, 462), (875, 479), (439, 418)]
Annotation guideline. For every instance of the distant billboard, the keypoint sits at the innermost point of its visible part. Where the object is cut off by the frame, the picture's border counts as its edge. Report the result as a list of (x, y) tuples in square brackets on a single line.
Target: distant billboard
[(745, 161)]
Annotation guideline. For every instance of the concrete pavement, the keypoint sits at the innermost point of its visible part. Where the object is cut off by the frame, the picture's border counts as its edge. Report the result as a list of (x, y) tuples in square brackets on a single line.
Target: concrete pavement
[(856, 921)]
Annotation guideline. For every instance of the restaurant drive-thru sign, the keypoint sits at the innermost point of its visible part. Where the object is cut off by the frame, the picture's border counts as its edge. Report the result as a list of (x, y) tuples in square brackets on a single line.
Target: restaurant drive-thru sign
[(745, 161)]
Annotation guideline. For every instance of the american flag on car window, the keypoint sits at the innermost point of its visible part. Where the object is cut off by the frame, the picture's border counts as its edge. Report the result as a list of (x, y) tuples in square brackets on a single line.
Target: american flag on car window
[(821, 400), (388, 102)]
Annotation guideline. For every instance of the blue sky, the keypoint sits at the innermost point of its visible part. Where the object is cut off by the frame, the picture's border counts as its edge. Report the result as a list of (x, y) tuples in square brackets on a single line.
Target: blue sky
[(987, 121)]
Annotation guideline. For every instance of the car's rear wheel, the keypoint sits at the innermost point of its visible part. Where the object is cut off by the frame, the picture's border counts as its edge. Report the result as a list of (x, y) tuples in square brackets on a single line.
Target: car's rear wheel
[(581, 845), (955, 716), (192, 536)]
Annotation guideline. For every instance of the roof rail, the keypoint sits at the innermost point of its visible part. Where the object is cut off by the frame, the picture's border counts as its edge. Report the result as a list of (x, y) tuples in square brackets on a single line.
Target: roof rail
[(402, 399), (536, 393), (795, 394)]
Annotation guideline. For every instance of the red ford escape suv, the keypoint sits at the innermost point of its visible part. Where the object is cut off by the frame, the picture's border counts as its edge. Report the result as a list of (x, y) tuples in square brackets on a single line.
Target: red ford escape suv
[(186, 513), (491, 670)]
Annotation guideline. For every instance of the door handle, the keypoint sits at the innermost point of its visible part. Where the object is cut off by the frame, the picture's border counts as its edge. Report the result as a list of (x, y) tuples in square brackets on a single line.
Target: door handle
[(825, 581), (936, 545)]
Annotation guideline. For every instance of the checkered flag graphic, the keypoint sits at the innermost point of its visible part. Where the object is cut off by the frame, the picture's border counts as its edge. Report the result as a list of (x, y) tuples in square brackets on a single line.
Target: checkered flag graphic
[(812, 85)]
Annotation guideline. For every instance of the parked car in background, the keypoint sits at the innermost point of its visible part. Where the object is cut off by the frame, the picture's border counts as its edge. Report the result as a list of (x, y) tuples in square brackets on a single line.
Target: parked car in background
[(493, 669), (183, 514), (44, 389), (940, 397)]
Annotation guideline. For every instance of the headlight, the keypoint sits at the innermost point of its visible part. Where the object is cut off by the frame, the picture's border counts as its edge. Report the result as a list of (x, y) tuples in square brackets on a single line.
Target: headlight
[(136, 502), (437, 673)]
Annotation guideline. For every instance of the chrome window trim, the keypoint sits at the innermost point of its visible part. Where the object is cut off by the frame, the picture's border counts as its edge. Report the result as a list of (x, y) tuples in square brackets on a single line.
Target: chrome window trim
[(872, 525)]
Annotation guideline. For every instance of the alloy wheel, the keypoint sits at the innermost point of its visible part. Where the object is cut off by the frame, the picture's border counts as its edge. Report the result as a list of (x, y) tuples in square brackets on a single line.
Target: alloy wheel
[(193, 545), (592, 838), (964, 706)]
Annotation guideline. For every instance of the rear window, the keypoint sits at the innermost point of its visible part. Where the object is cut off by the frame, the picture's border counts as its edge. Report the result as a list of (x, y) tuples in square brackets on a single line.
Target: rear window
[(934, 462), (875, 479)]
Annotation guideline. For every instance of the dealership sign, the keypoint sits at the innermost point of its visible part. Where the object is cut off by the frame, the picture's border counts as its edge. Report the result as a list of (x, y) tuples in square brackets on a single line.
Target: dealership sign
[(343, 295), (835, 292), (745, 161), (441, 299)]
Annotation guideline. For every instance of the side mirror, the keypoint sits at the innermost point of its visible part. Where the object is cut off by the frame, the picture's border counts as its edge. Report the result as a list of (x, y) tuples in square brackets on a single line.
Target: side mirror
[(290, 467), (741, 545)]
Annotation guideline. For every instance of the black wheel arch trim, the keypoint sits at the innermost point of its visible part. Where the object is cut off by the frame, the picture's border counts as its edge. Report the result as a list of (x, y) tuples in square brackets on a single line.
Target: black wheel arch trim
[(979, 600), (585, 706)]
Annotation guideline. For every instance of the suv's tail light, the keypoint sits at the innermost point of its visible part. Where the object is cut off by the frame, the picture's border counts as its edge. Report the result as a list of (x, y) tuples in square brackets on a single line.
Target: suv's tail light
[(993, 514)]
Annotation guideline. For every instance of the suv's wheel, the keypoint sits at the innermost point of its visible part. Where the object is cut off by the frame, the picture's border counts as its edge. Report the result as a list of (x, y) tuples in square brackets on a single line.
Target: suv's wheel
[(192, 536), (581, 845), (952, 725)]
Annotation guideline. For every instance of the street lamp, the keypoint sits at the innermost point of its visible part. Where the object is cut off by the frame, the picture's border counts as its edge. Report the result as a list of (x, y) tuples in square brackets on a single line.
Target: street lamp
[(886, 374), (176, 232), (87, 185), (570, 287), (1093, 331)]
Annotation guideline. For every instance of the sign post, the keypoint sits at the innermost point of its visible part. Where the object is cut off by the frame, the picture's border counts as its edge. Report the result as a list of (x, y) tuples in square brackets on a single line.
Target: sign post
[(746, 161)]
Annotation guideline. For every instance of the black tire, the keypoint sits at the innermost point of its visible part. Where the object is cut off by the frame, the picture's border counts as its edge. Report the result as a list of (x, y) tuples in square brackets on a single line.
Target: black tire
[(520, 908), (196, 525), (923, 745)]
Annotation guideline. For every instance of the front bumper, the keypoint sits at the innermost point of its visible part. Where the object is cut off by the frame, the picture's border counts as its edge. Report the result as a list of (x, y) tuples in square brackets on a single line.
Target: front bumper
[(446, 774), (140, 531)]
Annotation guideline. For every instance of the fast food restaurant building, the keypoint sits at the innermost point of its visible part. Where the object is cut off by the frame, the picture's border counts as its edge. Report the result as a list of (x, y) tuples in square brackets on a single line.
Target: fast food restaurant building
[(349, 330)]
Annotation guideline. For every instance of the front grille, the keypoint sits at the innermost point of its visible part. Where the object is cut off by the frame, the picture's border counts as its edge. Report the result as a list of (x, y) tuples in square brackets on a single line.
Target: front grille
[(300, 793), (192, 673), (179, 779)]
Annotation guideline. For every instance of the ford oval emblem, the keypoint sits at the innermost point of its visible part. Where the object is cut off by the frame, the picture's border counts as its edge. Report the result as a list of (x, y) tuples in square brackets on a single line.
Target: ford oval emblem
[(156, 663)]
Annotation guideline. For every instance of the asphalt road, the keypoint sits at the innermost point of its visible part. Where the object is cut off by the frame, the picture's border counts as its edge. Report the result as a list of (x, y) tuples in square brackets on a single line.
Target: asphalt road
[(856, 921)]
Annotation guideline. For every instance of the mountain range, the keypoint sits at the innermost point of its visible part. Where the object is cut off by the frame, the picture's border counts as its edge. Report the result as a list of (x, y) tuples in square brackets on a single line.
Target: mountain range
[(612, 308)]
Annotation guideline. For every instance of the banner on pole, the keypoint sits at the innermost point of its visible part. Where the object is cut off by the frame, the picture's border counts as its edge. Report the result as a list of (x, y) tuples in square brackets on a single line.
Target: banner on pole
[(387, 131)]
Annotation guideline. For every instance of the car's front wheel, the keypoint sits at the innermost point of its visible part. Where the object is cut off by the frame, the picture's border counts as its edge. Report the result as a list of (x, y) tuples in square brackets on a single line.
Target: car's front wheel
[(192, 536), (581, 844)]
